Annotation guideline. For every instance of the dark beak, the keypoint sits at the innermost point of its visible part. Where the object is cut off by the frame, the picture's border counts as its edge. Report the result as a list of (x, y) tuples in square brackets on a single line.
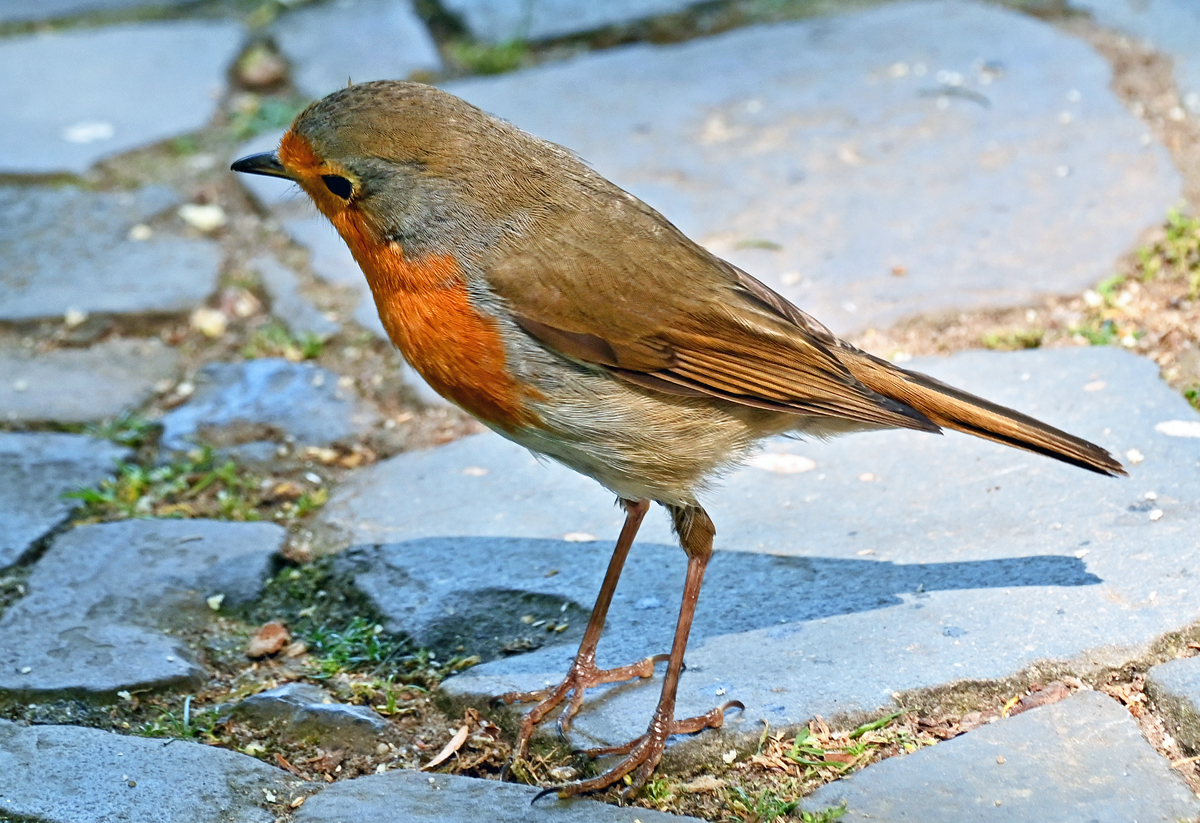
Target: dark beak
[(266, 164)]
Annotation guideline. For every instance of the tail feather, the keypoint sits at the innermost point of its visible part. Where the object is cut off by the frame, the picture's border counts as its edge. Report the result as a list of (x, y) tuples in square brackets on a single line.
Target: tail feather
[(953, 408)]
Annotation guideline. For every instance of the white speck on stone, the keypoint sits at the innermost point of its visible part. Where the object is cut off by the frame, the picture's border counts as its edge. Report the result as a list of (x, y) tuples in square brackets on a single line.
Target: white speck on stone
[(1063, 171), (206, 218), (1134, 456), (474, 471), (1025, 376), (26, 669), (849, 307), (141, 232), (898, 70), (88, 131), (214, 602), (1156, 515), (1178, 428), (313, 477), (1095, 385), (790, 278), (269, 795), (782, 463), (1152, 596), (20, 385), (579, 537), (1151, 495), (74, 317), (1082, 553), (209, 322), (867, 477), (950, 78), (170, 658)]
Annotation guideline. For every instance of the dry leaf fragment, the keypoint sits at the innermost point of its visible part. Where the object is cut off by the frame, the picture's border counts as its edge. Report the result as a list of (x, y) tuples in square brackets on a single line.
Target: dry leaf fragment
[(269, 639), (1042, 696), (450, 748)]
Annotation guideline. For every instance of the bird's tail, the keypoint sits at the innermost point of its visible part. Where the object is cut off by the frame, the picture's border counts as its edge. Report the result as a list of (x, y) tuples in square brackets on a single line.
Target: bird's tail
[(952, 408)]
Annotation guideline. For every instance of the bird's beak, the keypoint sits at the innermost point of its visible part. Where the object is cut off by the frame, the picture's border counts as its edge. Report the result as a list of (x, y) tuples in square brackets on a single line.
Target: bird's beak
[(266, 164)]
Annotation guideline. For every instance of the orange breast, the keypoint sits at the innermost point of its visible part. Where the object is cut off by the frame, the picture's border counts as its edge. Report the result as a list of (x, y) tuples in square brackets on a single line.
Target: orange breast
[(424, 307)]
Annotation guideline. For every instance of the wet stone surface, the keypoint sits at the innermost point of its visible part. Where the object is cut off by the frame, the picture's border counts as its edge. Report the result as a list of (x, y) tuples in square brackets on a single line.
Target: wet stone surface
[(69, 104), (891, 561), (79, 385), (1078, 761), (914, 157), (68, 774), (254, 407), (450, 799), (359, 39), (102, 598), (56, 242), (499, 21), (36, 469), (304, 712)]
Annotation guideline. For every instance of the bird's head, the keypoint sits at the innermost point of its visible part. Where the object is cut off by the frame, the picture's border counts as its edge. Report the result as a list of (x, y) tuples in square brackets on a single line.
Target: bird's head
[(407, 163)]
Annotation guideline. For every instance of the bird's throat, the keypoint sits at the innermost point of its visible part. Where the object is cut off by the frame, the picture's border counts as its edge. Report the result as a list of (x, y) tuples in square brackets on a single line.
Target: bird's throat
[(426, 309)]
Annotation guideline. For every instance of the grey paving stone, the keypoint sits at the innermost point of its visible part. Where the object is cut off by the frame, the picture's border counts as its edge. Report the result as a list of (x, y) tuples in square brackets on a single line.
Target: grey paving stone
[(69, 103), (102, 598), (305, 712), (64, 248), (238, 405), (1172, 26), (362, 40), (77, 385), (14, 10), (828, 156), (288, 304), (1174, 687), (500, 20), (899, 561), (451, 799), (36, 469), (69, 774), (1082, 760)]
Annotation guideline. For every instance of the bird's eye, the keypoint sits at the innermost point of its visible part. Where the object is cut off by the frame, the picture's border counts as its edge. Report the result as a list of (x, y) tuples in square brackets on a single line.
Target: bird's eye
[(339, 185)]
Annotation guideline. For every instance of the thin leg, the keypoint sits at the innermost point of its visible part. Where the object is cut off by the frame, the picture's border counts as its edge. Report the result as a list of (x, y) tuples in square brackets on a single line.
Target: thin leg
[(696, 533), (583, 672)]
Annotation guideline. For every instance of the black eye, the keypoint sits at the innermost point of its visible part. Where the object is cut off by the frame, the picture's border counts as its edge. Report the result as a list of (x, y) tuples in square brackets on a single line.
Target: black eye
[(339, 185)]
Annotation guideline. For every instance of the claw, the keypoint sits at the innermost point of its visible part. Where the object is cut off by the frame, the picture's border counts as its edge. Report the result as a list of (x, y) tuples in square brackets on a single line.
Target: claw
[(544, 792)]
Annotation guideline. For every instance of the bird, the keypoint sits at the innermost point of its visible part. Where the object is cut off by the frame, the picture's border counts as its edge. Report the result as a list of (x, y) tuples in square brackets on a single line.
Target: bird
[(570, 317)]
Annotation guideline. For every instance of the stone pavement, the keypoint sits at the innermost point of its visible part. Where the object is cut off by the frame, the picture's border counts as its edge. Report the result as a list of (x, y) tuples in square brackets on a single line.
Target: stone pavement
[(912, 157)]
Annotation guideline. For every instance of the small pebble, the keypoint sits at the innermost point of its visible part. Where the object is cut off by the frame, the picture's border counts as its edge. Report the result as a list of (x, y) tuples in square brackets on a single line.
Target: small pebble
[(1156, 514), (206, 218), (1134, 456), (209, 322), (141, 232), (1000, 759)]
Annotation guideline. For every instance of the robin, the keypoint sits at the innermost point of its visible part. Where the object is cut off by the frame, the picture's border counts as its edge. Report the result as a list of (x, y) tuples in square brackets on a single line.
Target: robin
[(570, 317)]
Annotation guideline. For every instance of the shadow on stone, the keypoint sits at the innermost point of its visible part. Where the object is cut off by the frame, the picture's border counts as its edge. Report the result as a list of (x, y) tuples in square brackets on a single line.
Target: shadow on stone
[(486, 596)]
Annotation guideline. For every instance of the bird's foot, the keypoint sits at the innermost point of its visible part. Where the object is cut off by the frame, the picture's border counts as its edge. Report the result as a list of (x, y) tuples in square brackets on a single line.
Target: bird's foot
[(582, 676), (642, 754)]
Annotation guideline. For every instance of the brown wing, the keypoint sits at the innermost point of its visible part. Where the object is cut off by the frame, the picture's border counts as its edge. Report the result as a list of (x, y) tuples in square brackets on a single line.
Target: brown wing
[(617, 286)]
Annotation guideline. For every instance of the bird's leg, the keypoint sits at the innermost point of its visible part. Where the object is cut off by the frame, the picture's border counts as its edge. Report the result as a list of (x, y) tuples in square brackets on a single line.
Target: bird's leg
[(583, 673), (642, 754)]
